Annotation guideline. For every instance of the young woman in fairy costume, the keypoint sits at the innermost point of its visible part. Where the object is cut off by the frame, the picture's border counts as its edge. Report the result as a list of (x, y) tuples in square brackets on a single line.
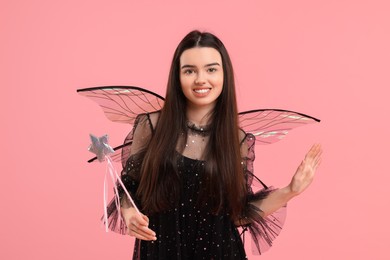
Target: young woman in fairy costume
[(190, 166)]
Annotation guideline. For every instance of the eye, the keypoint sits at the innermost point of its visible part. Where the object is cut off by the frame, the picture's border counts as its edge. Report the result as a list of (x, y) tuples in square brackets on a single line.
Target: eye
[(212, 70), (188, 71)]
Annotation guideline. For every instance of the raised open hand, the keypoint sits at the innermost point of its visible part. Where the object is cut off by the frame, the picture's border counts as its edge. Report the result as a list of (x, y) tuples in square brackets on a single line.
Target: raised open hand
[(306, 170)]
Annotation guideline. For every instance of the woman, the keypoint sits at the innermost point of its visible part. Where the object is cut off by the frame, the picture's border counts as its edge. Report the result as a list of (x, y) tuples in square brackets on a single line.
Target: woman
[(190, 165)]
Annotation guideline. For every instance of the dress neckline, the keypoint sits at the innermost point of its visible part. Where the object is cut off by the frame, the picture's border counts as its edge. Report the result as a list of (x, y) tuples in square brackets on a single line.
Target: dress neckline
[(189, 158), (203, 130)]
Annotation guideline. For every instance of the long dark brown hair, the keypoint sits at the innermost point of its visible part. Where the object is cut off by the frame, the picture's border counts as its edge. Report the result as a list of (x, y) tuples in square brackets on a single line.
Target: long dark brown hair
[(224, 183)]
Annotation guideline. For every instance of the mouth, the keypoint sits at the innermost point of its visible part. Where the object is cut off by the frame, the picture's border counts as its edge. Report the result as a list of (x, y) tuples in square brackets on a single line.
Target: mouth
[(202, 90)]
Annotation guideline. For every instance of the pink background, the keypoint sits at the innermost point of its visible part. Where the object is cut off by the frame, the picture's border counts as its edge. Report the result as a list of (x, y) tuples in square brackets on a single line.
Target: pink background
[(329, 59)]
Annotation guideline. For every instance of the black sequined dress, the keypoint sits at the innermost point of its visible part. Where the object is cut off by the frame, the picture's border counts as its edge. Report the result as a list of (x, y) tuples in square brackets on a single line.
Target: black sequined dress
[(190, 231)]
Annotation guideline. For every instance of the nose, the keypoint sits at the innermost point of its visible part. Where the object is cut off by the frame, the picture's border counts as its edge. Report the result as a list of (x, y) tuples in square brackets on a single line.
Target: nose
[(200, 79)]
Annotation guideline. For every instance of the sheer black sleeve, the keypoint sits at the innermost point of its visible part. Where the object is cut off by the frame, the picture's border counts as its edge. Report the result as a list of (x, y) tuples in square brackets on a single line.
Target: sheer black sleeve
[(138, 139), (263, 230)]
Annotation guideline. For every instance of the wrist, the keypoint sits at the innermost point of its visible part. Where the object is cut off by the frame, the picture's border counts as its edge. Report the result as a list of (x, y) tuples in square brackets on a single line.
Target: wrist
[(288, 193)]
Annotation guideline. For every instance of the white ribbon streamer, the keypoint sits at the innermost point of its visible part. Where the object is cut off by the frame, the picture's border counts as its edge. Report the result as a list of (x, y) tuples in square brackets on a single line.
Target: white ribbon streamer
[(114, 177)]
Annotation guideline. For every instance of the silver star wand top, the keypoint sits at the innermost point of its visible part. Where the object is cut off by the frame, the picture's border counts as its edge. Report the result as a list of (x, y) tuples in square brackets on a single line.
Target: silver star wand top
[(100, 147)]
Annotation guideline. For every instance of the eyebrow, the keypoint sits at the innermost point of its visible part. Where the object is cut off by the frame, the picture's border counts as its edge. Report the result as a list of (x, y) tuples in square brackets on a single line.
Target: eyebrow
[(207, 65)]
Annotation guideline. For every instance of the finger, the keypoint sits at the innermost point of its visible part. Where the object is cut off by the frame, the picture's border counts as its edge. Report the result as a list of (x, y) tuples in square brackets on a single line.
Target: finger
[(318, 156), (139, 220), (311, 152), (140, 233), (141, 236), (317, 159), (146, 230), (318, 149), (134, 225), (314, 152), (142, 230), (145, 218), (318, 164)]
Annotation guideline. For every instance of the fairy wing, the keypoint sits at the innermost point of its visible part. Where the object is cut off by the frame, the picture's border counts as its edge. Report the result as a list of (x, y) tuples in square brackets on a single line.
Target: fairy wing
[(272, 125), (122, 104)]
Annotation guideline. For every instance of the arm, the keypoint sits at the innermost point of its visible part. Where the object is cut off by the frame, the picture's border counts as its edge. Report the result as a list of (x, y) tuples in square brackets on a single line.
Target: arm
[(302, 178), (265, 212), (136, 223)]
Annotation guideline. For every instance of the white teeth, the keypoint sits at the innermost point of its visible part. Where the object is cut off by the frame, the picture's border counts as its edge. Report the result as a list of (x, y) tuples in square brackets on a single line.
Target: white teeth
[(201, 90)]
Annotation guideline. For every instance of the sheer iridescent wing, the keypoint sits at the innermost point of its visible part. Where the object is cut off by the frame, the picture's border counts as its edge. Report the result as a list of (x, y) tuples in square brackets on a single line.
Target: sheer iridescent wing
[(122, 104), (272, 125)]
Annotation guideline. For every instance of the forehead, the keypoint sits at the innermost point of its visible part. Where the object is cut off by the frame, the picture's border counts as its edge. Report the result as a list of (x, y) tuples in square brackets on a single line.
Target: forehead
[(200, 56)]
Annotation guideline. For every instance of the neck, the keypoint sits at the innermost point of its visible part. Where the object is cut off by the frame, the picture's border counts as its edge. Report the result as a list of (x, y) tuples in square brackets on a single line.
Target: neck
[(199, 115)]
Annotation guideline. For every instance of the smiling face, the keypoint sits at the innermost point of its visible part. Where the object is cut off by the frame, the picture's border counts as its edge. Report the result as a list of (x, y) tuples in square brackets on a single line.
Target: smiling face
[(201, 76)]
